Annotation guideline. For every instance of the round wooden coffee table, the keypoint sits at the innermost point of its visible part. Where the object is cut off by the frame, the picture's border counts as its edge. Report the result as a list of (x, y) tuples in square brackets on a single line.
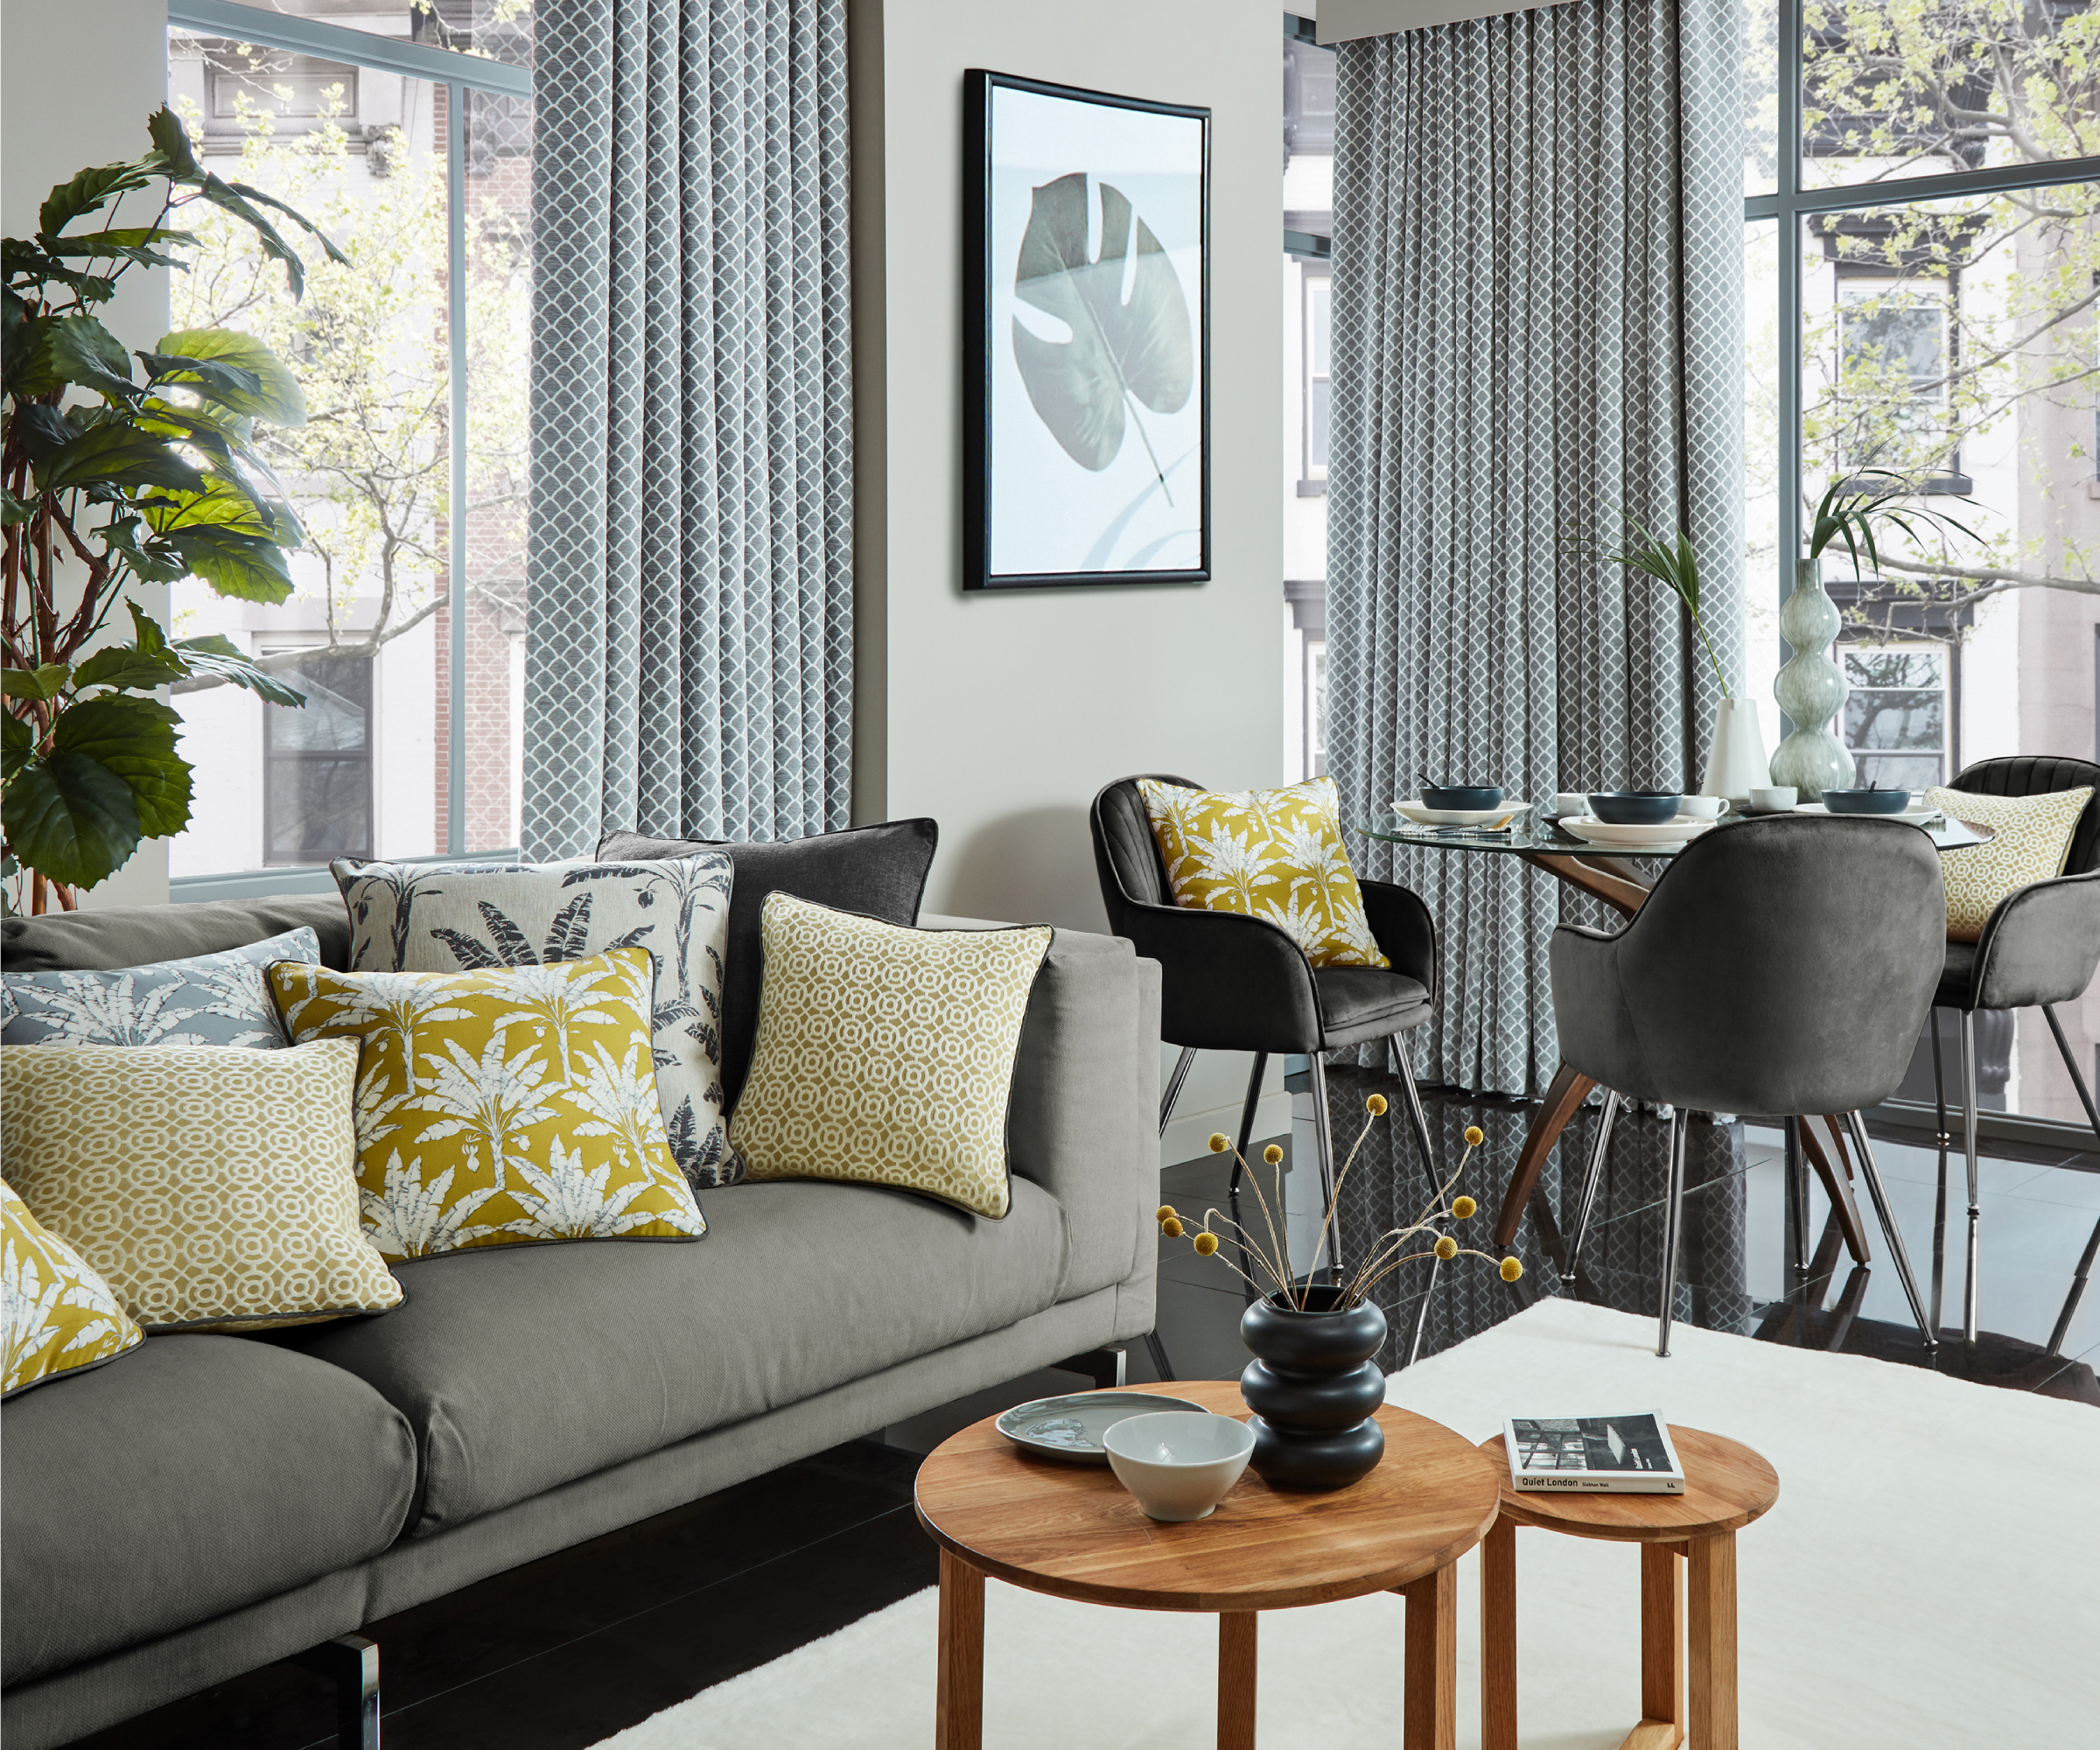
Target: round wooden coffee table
[(1726, 1486), (1073, 1531)]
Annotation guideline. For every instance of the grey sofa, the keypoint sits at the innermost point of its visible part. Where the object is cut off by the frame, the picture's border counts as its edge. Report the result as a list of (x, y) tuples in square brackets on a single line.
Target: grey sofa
[(208, 1504)]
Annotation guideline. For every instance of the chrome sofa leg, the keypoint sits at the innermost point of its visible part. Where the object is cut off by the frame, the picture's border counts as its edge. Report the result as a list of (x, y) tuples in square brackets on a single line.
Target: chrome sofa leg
[(1593, 1176), (1323, 1142), (351, 1663), (1971, 1291), (1875, 1189), (1254, 1099), (1673, 1226), (2092, 1245), (1180, 1074)]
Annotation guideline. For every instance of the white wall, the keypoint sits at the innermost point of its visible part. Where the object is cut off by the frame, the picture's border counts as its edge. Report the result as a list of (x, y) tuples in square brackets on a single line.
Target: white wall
[(78, 79)]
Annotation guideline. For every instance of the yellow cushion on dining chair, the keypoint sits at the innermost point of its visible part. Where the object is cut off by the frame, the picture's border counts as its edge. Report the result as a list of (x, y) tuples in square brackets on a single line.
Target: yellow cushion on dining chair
[(2032, 840)]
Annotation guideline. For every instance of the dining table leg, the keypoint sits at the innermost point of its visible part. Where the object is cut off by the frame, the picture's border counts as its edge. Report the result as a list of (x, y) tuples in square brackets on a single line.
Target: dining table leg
[(1236, 1647), (959, 1684), (1564, 1095), (1430, 1710)]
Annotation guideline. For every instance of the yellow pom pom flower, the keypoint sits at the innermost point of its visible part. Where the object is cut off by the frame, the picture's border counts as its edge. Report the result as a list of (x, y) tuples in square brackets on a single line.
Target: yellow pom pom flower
[(1206, 1243), (1463, 1206), (1511, 1270), (1376, 1105), (1447, 1247), (1475, 1136), (1273, 1155), (1220, 1142), (1165, 1212), (1172, 1228)]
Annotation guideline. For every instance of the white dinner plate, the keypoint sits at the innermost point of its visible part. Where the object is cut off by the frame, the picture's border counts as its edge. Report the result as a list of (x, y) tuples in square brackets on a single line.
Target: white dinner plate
[(1422, 815), (1917, 815), (1670, 833)]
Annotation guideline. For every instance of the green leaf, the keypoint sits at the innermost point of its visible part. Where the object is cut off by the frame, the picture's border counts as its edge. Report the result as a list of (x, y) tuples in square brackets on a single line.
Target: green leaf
[(70, 817), (223, 383), (17, 742), (45, 431), (274, 394), (12, 510), (223, 195), (119, 455), (172, 155), (33, 684), (218, 655), (74, 349), (152, 562), (134, 739), (250, 191), (89, 191), (127, 665), (133, 243), (245, 567), (221, 504)]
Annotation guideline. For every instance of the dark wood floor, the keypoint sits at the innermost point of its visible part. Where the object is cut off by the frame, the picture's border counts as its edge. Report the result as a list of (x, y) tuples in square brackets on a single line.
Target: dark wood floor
[(566, 1651)]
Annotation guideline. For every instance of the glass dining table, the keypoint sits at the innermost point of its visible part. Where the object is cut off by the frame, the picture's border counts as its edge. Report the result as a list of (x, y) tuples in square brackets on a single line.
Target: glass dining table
[(1615, 875)]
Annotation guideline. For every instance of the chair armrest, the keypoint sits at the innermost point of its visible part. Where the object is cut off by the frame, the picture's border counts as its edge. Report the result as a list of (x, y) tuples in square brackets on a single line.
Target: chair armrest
[(1231, 982), (1405, 932), (2041, 945), (1597, 1035)]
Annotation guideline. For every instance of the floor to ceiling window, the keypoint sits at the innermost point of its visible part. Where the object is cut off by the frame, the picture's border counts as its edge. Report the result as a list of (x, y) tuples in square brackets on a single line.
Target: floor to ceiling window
[(1308, 201), (1922, 222), (407, 134)]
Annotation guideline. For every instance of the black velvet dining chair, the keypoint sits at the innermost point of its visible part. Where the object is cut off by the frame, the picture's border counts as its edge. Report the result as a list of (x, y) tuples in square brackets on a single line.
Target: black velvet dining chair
[(1230, 982), (1779, 966), (2039, 947)]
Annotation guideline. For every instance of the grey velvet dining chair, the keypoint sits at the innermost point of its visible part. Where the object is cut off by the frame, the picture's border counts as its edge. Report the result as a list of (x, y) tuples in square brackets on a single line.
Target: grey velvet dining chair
[(2039, 947), (1230, 981), (1779, 966)]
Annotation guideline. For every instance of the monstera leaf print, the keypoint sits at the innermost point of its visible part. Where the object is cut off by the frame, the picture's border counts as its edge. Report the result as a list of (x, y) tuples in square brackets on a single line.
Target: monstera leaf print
[(1125, 346)]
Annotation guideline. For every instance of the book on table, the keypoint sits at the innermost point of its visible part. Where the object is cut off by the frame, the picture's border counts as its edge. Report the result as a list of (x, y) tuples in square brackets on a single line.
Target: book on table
[(1620, 1454)]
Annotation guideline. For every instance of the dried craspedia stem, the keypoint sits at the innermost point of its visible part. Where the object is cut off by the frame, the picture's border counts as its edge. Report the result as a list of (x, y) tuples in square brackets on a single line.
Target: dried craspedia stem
[(1463, 1206), (1376, 1105), (1220, 1142), (1475, 1135), (1273, 1155), (1511, 1270), (1206, 1243)]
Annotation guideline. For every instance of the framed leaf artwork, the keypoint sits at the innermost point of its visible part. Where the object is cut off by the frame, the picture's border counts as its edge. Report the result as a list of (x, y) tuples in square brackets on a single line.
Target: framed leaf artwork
[(1087, 378)]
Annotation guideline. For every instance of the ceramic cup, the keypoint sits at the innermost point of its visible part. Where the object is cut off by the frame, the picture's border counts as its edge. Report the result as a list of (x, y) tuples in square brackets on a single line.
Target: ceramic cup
[(1178, 1463), (1569, 804), (1772, 799), (1702, 808)]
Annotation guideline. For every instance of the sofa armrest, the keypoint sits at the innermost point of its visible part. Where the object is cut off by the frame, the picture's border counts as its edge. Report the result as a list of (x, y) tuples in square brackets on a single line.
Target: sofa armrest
[(1083, 1119)]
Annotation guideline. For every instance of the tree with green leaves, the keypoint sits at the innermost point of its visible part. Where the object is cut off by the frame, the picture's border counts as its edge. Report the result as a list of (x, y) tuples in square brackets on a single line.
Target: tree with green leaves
[(156, 474)]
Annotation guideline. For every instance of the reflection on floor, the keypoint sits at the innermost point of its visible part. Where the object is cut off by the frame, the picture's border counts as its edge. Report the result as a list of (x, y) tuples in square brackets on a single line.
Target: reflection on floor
[(560, 1654)]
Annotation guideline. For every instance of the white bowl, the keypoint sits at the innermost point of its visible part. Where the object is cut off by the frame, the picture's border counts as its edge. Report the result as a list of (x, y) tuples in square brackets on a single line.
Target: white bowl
[(1178, 1463), (1420, 812), (1669, 834)]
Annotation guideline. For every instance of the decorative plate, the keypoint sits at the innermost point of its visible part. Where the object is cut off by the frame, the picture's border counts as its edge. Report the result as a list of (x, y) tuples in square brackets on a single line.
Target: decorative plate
[(1917, 815), (1070, 1428), (1668, 834), (1488, 818)]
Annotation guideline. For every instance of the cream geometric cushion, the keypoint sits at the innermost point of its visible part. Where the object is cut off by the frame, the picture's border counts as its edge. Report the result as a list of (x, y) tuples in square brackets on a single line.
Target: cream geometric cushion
[(210, 1185), (57, 1317), (2032, 838), (884, 1054)]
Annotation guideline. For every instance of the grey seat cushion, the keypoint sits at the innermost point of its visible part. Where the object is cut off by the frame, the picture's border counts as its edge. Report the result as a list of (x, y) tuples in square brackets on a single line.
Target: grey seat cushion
[(138, 936), (194, 1476), (523, 1367), (1366, 1002)]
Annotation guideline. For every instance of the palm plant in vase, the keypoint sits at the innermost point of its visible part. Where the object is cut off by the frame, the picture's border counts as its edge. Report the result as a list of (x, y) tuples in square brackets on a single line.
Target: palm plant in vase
[(1313, 1385)]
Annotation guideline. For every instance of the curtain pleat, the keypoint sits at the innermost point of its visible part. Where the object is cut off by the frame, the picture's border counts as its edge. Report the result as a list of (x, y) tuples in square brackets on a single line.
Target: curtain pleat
[(689, 668), (1537, 321)]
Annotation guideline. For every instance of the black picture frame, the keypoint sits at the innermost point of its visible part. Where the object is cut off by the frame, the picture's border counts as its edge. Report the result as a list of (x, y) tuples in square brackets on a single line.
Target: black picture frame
[(981, 458)]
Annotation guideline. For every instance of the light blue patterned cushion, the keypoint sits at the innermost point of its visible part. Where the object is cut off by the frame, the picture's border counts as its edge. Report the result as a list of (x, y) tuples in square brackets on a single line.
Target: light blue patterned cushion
[(214, 999)]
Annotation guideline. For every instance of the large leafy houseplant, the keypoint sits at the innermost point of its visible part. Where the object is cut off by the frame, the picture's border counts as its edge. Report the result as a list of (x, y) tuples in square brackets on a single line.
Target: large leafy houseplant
[(154, 476)]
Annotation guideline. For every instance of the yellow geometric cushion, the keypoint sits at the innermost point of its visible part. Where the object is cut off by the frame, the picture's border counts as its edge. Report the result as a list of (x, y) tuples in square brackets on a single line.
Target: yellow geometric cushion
[(2033, 838), (209, 1185), (1273, 854), (502, 1107), (60, 1316), (884, 1054)]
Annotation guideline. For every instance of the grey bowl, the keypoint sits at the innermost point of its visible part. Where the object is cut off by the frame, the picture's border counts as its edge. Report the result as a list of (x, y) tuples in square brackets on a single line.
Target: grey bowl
[(1866, 801), (1460, 798), (1634, 808)]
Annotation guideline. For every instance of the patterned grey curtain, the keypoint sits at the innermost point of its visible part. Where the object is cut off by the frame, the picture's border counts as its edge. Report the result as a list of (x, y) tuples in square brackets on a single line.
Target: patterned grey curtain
[(1537, 320), (690, 662)]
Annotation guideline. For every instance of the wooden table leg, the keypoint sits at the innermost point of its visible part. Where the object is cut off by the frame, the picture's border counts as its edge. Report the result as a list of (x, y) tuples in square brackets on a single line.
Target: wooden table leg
[(1712, 1620), (1498, 1636), (1838, 1186), (1431, 1717), (1564, 1096), (1235, 1680), (959, 1689), (1662, 1726)]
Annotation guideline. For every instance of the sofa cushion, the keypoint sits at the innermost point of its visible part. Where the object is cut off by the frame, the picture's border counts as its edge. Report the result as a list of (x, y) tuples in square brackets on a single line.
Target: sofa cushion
[(201, 1475), (523, 1367), (209, 999), (133, 935)]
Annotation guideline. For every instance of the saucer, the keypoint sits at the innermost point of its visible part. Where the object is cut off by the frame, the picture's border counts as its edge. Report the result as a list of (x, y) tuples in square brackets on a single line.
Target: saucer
[(1414, 810)]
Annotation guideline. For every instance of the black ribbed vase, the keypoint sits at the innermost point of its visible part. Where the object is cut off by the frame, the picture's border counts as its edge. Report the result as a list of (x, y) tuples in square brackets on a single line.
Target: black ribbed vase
[(1312, 1387)]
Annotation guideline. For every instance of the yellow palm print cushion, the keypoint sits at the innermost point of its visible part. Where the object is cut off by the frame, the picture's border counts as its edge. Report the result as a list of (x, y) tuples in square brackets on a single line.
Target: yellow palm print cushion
[(60, 1316), (2031, 838), (1273, 854), (504, 1106)]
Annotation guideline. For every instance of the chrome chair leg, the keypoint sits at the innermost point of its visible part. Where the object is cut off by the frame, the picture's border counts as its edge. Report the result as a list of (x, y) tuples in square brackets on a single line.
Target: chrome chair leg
[(1254, 1099), (1415, 1115), (1323, 1141), (1593, 1175), (2092, 1246), (1970, 1286), (1876, 1190), (1673, 1227), (1797, 1200), (1939, 1082), (1175, 1080)]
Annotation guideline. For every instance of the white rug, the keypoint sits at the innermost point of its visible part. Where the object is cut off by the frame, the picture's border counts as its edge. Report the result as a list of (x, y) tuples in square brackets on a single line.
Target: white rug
[(1930, 1576)]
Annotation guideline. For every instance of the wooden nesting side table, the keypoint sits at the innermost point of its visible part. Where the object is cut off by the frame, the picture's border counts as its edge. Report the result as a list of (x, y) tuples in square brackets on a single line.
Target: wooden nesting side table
[(1073, 1531), (1726, 1486)]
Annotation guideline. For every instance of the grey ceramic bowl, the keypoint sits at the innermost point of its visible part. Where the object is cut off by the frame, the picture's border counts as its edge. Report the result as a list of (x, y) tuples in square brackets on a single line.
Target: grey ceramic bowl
[(1179, 1465), (1460, 798), (1634, 808), (1866, 801)]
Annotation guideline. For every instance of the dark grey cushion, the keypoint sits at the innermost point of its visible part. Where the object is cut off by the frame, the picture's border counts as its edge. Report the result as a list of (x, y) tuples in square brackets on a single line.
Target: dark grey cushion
[(1359, 1002), (877, 870), (523, 1367), (197, 1475), (136, 935)]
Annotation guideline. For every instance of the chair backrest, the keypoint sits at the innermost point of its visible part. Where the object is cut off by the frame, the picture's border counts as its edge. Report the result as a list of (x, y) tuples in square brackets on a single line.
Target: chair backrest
[(1126, 856), (2037, 774), (1785, 966)]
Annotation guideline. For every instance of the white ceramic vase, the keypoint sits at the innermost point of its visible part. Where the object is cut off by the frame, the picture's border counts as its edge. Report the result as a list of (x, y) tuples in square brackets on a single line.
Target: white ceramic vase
[(1735, 755), (1811, 691)]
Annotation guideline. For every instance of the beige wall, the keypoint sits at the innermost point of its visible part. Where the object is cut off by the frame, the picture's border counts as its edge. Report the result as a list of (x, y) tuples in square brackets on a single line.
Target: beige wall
[(78, 79)]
